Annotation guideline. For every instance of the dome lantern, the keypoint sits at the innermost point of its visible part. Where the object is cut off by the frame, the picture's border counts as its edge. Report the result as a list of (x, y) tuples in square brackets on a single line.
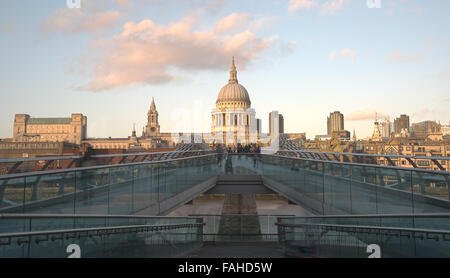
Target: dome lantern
[(233, 73), (233, 94)]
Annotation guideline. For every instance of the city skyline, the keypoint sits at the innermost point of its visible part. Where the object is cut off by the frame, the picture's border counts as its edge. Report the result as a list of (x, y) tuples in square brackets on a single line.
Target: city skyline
[(394, 61)]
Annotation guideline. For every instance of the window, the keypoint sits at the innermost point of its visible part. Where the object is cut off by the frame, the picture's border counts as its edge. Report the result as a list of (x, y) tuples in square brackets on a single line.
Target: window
[(403, 162), (408, 148), (423, 163)]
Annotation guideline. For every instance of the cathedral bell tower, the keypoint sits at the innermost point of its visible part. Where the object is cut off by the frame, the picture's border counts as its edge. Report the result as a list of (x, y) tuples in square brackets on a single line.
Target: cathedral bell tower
[(152, 127)]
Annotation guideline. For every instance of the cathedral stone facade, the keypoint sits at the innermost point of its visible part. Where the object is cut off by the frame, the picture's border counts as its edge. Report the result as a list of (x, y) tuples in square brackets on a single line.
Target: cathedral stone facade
[(233, 120)]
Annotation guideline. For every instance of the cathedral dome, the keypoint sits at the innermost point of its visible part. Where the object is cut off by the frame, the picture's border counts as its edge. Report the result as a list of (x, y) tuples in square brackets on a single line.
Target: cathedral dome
[(233, 92), (233, 95)]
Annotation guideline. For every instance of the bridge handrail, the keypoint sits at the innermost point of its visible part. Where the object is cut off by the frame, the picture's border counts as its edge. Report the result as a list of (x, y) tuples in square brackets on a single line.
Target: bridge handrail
[(338, 226), (265, 215), (13, 160), (372, 155), (98, 229), (43, 215), (68, 170), (440, 172), (418, 215)]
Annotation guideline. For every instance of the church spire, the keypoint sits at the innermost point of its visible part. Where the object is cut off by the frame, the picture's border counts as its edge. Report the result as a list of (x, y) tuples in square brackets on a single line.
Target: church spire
[(233, 73), (133, 134), (153, 106)]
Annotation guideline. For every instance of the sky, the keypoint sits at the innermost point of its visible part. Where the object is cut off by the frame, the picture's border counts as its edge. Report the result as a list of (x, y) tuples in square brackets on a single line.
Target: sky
[(304, 58)]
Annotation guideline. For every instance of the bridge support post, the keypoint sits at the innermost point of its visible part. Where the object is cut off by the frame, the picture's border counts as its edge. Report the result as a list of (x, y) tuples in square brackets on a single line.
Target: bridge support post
[(291, 203)]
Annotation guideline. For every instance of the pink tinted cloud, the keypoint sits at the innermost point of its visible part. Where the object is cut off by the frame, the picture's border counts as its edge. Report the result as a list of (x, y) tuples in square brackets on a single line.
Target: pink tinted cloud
[(343, 53), (295, 5), (144, 52), (78, 20), (123, 4), (333, 6), (232, 22), (398, 56), (364, 115)]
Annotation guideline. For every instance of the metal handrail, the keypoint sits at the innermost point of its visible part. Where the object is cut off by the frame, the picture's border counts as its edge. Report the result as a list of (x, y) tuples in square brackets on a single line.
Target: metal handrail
[(265, 215), (371, 155), (352, 163), (440, 172), (113, 228), (32, 216), (337, 226), (58, 171), (12, 160), (418, 215)]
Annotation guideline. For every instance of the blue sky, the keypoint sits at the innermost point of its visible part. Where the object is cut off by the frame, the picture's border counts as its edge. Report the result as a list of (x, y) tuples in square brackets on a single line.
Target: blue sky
[(304, 58)]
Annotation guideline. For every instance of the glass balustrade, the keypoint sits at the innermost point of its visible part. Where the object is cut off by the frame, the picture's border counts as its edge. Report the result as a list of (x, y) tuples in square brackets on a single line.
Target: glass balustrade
[(116, 190), (394, 236), (49, 236)]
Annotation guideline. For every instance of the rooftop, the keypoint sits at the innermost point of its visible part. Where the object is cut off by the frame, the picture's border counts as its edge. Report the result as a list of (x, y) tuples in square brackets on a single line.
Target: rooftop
[(49, 121)]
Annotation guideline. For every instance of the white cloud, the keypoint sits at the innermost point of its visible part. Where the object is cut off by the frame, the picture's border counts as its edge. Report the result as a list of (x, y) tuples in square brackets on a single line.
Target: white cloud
[(295, 5), (330, 7), (342, 54), (333, 6), (401, 57)]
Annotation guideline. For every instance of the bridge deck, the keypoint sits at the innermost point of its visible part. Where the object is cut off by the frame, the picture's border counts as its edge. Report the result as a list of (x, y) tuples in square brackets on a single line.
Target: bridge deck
[(238, 250)]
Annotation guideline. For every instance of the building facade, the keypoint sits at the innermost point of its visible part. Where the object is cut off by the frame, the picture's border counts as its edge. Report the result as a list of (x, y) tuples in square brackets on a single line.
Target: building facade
[(71, 130), (377, 135), (394, 146), (152, 129), (386, 129), (445, 129), (275, 116), (335, 122), (425, 128), (281, 123), (233, 120), (401, 124)]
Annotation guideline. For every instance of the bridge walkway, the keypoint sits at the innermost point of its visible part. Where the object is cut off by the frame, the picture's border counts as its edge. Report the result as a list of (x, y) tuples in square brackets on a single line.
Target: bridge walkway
[(238, 250)]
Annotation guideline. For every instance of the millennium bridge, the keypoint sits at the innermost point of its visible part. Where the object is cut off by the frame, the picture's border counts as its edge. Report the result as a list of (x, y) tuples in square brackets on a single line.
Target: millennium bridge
[(119, 206)]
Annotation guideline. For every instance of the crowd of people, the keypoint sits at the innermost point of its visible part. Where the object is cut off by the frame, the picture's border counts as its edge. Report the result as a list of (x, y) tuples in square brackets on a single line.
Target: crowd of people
[(239, 148), (222, 152)]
